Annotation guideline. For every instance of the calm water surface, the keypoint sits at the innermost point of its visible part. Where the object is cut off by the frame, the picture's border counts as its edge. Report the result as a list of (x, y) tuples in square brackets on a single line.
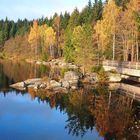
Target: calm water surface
[(92, 113)]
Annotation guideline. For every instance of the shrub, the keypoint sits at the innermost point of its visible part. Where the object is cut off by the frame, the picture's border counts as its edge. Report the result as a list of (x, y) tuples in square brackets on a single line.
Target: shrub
[(102, 76), (62, 72), (1, 56), (44, 57), (45, 79), (113, 71), (96, 68), (44, 69)]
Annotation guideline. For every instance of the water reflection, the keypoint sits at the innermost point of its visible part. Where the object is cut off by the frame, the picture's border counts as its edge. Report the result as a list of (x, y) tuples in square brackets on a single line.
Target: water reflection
[(12, 72), (115, 116), (111, 113)]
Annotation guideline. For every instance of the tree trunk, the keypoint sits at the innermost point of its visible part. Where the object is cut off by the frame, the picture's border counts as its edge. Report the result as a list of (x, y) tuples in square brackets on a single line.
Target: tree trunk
[(114, 36), (83, 69), (51, 51), (137, 48)]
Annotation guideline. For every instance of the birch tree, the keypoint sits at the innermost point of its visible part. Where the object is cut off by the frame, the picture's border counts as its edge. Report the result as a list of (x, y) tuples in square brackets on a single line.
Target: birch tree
[(106, 29)]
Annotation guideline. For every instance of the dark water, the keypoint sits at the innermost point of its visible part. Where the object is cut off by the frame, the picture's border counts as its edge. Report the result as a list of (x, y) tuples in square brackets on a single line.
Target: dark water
[(93, 113)]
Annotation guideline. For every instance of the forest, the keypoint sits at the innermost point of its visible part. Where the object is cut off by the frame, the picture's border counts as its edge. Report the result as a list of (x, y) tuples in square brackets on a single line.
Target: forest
[(102, 30)]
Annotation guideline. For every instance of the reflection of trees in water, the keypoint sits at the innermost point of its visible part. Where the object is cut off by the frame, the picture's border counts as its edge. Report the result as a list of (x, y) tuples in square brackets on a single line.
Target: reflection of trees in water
[(17, 92), (12, 72), (4, 81), (80, 118), (20, 71), (112, 114), (133, 131)]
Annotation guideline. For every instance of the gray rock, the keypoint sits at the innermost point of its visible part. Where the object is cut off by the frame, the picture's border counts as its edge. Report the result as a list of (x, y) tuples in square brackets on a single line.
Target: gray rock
[(33, 81), (87, 79), (62, 64), (53, 84), (36, 87), (71, 79), (38, 84), (70, 66), (90, 78), (45, 63), (71, 75), (38, 62), (31, 86), (43, 85), (23, 85), (19, 85), (65, 84), (73, 82), (114, 77), (74, 87)]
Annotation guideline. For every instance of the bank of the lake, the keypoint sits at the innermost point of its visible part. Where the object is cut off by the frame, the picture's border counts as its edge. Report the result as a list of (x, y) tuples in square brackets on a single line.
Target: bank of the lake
[(69, 76)]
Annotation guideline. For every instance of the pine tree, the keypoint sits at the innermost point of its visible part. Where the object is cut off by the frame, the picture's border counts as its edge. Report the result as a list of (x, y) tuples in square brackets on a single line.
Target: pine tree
[(68, 47), (6, 29), (13, 29), (1, 38), (74, 20), (83, 44), (64, 20)]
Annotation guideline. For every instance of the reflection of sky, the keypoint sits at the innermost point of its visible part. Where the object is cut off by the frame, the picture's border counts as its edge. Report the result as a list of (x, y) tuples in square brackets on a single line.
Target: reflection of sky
[(21, 118)]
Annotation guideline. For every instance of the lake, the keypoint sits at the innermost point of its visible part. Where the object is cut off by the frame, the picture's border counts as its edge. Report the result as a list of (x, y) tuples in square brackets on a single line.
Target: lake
[(96, 112)]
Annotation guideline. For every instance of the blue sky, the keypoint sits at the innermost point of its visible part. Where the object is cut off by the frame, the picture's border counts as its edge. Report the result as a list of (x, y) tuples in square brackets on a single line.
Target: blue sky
[(32, 9)]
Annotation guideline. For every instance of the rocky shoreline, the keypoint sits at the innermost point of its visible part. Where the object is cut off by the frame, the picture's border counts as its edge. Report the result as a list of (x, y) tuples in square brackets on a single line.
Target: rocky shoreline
[(59, 63), (71, 81)]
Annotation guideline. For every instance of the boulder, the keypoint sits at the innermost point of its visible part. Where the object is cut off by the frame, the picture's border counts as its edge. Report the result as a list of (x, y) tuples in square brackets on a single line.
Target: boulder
[(37, 85), (43, 85), (19, 86), (33, 81), (114, 77), (31, 86), (65, 84), (71, 79), (74, 87), (90, 78), (38, 62), (71, 75), (45, 63), (62, 64), (53, 84), (74, 82), (71, 66)]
